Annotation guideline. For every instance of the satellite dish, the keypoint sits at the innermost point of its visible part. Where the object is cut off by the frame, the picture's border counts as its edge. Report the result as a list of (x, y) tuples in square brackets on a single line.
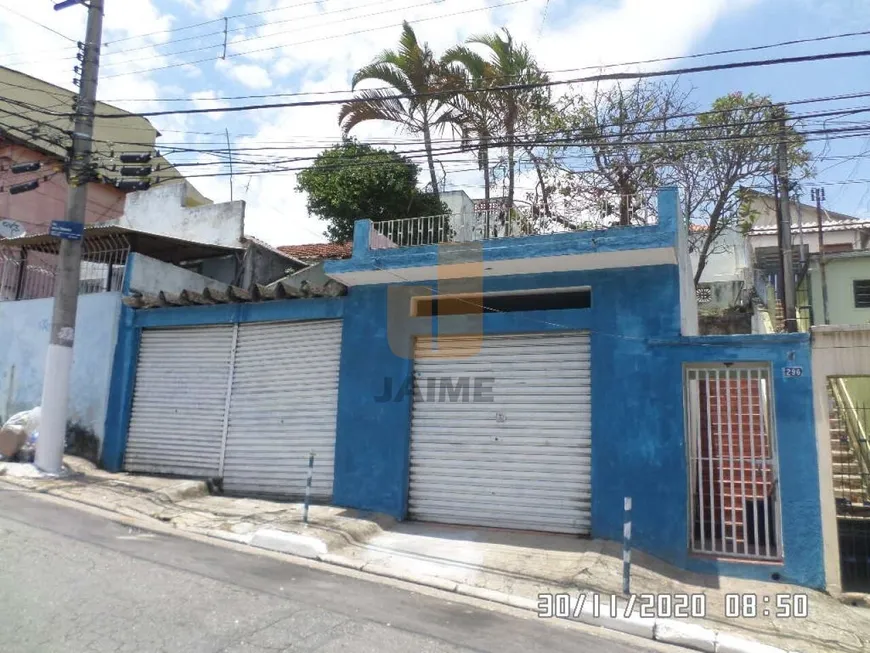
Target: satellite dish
[(11, 229)]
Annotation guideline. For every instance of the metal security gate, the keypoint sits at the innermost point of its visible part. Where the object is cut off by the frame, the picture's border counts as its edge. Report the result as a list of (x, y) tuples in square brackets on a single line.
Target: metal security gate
[(283, 405), (179, 401), (246, 403), (732, 461), (501, 432)]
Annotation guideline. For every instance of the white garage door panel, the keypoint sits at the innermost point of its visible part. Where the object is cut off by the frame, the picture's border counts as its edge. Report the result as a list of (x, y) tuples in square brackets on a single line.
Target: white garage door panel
[(283, 406), (178, 401), (522, 460)]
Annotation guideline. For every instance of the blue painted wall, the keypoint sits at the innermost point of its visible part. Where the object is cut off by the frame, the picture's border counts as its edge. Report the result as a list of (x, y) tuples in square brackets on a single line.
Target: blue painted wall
[(638, 432), (24, 330)]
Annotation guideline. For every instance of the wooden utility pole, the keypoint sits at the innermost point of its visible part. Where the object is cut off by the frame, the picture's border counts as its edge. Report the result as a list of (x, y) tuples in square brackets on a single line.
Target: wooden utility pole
[(818, 194), (788, 280)]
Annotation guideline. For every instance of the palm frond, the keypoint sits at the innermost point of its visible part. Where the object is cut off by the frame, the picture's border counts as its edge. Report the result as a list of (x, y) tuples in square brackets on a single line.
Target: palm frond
[(373, 104), (386, 73)]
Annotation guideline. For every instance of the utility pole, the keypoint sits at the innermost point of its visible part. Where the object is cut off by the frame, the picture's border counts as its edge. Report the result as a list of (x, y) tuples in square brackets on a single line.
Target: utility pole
[(788, 289), (55, 387), (818, 194)]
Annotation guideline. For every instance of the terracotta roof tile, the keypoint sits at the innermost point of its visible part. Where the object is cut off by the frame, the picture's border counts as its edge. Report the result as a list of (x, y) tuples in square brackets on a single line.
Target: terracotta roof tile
[(318, 251)]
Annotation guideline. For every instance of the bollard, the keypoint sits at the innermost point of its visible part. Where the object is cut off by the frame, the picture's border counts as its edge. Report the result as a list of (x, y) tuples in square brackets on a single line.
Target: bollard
[(626, 548), (308, 487)]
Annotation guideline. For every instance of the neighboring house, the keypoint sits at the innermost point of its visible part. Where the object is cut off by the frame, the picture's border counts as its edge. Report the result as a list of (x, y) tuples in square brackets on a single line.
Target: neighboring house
[(527, 383), (847, 281), (727, 272), (747, 264), (35, 127), (157, 247)]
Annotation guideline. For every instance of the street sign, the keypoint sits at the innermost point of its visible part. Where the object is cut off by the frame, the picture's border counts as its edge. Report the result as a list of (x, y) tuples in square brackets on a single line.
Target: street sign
[(66, 230), (67, 3)]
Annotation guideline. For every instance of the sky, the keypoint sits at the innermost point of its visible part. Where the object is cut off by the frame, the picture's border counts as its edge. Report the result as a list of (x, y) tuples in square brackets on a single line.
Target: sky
[(167, 54)]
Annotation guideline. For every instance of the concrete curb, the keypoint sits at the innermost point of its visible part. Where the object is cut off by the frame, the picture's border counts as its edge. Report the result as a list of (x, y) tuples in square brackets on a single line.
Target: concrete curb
[(181, 491), (666, 631)]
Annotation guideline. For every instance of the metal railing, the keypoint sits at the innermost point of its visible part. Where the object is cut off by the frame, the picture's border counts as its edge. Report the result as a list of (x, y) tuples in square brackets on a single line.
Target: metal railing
[(732, 458), (498, 222), (851, 427), (30, 272)]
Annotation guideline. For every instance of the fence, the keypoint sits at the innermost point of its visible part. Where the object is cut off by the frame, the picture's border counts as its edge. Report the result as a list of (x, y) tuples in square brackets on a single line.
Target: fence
[(734, 507), (496, 221), (30, 272)]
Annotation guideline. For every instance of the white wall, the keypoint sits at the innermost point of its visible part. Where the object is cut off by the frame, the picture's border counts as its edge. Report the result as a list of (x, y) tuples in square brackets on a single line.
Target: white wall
[(148, 275), (24, 329), (161, 210), (729, 259)]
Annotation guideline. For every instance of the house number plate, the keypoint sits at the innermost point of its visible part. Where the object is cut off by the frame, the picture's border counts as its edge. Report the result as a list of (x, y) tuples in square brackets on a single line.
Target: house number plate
[(791, 372)]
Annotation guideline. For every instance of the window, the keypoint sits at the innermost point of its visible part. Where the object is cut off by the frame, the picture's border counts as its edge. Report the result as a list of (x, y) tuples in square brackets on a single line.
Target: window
[(861, 289), (505, 302)]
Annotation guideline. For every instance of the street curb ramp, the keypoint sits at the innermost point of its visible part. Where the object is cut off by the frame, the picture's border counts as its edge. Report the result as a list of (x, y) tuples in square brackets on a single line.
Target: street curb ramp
[(666, 631)]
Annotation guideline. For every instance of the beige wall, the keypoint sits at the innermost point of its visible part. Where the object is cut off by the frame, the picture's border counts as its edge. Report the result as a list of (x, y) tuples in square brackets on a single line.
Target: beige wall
[(837, 351)]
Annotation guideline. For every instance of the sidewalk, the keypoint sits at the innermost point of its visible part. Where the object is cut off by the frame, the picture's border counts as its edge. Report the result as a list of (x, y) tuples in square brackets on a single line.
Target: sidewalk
[(505, 566)]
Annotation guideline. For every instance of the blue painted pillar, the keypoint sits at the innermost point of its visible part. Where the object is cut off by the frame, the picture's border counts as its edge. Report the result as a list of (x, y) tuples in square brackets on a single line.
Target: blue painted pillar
[(361, 231), (121, 392), (669, 209)]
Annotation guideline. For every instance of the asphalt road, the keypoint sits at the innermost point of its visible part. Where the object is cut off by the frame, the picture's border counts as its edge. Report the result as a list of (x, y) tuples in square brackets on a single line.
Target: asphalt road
[(74, 582)]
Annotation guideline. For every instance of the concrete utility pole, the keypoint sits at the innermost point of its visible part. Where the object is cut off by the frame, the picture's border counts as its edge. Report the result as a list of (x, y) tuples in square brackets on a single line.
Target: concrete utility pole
[(55, 387), (788, 289), (818, 195)]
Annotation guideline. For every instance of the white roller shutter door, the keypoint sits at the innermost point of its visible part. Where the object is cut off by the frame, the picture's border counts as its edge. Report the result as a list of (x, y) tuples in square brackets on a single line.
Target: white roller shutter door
[(522, 461), (284, 404), (178, 401)]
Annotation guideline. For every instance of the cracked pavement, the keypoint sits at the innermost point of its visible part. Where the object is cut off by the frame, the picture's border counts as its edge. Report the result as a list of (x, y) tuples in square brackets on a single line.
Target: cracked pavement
[(75, 582)]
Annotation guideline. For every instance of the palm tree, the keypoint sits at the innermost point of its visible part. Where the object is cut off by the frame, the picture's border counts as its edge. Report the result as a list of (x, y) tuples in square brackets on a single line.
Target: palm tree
[(414, 75), (512, 64), (475, 113)]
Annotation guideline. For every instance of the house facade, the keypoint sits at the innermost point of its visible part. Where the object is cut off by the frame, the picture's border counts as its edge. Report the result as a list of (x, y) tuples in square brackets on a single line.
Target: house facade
[(35, 127), (157, 245), (526, 383)]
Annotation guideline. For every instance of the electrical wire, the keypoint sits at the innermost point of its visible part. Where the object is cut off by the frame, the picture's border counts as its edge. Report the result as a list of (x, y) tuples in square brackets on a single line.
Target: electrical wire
[(518, 87), (35, 22)]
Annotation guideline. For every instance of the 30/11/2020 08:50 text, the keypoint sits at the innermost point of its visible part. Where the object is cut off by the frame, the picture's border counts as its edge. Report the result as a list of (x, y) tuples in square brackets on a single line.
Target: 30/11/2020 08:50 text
[(671, 606)]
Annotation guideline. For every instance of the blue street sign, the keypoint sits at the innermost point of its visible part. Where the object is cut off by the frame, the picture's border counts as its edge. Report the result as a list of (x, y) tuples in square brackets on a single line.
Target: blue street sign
[(66, 230), (67, 3)]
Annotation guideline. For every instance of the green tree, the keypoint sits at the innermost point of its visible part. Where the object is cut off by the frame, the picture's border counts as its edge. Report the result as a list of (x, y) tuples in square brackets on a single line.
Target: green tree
[(512, 64), (354, 180), (475, 112), (412, 72), (729, 148)]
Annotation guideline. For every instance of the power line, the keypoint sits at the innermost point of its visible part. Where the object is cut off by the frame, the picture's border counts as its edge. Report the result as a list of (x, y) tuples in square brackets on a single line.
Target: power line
[(35, 22), (263, 36), (519, 87), (317, 40)]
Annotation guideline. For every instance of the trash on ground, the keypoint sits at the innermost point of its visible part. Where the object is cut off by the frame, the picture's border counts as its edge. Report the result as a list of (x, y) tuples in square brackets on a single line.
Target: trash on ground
[(19, 434)]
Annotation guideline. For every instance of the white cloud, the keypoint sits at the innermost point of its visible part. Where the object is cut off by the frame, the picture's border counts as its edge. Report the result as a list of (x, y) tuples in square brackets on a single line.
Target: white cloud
[(247, 74), (304, 48), (207, 100), (208, 8)]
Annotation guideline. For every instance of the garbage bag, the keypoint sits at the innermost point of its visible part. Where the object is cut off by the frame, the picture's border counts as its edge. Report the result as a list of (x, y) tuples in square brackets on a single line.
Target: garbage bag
[(18, 432)]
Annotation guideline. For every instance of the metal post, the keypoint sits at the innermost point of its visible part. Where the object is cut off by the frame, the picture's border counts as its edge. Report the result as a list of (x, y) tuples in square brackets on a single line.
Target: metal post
[(308, 487), (626, 548), (55, 387), (788, 289), (819, 195)]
